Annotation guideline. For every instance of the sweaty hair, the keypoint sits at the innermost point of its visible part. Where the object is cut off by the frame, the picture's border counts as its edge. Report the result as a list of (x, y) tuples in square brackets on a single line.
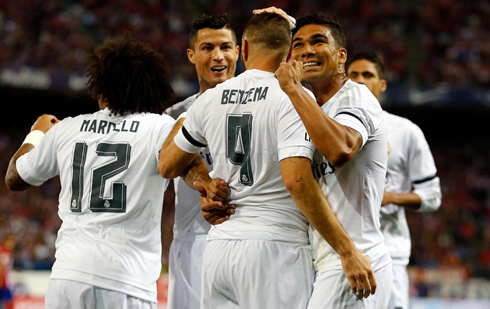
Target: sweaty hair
[(131, 76), (371, 57), (269, 31), (320, 19), (210, 21)]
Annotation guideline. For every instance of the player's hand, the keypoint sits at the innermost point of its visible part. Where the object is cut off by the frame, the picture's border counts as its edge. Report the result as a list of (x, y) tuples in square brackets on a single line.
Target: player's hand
[(44, 123), (217, 189), (357, 269), (214, 212), (289, 74), (274, 10)]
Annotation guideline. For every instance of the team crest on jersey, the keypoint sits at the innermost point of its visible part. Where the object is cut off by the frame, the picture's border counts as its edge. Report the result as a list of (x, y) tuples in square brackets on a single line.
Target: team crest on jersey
[(107, 204), (244, 178)]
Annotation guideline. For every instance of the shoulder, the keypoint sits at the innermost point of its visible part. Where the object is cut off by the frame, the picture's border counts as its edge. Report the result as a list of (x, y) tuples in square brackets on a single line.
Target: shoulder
[(180, 107), (406, 126), (356, 94)]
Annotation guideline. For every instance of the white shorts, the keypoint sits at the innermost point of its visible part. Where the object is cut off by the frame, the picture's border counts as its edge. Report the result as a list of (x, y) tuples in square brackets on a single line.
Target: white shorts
[(184, 276), (399, 291), (332, 290), (63, 294), (252, 274)]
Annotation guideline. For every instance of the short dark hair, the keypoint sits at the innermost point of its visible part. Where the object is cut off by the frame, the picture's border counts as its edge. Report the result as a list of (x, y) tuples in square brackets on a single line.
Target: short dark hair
[(130, 75), (270, 31), (210, 21), (371, 57), (321, 19)]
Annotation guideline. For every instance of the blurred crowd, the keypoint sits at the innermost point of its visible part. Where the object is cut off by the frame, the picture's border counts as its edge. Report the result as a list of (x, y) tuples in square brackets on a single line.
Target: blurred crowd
[(442, 42)]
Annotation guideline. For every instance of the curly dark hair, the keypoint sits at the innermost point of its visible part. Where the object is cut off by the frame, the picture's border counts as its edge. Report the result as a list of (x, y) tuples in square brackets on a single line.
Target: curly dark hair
[(321, 19), (130, 75)]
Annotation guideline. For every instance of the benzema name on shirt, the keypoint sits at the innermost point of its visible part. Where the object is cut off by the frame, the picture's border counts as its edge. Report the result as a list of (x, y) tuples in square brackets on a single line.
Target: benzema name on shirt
[(238, 96)]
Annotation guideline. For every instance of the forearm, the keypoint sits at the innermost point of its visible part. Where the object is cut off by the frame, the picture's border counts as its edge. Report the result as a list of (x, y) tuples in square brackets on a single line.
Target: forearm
[(310, 200), (12, 179), (407, 200), (336, 142), (196, 171)]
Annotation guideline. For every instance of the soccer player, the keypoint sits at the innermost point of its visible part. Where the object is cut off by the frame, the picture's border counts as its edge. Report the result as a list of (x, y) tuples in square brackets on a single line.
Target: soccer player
[(411, 180), (347, 126), (108, 249), (214, 51), (260, 257)]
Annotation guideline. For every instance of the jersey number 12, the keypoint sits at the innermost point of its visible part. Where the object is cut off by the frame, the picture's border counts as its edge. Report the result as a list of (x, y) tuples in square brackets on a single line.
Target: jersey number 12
[(98, 203)]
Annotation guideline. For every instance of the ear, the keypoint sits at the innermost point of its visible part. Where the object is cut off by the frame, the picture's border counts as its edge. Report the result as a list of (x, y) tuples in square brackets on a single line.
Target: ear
[(342, 53), (383, 86), (191, 56), (237, 52), (244, 50)]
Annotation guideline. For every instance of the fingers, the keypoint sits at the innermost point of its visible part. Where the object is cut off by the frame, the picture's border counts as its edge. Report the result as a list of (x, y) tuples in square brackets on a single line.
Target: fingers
[(217, 190), (363, 284), (200, 188), (219, 216), (210, 206)]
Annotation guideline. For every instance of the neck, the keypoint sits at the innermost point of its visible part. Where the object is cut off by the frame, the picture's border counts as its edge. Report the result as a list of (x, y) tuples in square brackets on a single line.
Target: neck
[(264, 61), (203, 86), (324, 90)]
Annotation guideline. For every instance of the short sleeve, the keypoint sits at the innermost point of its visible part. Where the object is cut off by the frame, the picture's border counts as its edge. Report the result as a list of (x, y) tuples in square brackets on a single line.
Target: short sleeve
[(293, 139), (41, 163), (190, 137)]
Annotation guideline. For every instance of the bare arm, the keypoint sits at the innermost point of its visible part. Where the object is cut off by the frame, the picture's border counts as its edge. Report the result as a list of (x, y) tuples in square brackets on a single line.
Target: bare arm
[(174, 161), (425, 197), (12, 178), (409, 200), (192, 168), (299, 180), (336, 142)]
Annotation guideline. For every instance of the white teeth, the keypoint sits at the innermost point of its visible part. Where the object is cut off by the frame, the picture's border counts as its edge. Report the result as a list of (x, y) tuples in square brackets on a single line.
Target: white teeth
[(218, 68), (310, 64)]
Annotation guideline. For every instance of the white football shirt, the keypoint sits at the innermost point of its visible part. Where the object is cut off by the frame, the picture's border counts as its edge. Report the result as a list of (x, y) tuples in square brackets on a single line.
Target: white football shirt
[(410, 163), (110, 200), (188, 217), (355, 190), (250, 125)]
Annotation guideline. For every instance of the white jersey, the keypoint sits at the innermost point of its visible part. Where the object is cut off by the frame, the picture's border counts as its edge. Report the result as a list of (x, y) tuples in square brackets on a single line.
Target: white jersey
[(410, 164), (250, 125), (188, 217), (355, 190), (110, 200)]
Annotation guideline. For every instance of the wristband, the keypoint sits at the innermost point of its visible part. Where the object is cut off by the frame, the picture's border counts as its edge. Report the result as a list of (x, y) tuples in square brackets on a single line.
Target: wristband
[(34, 138), (183, 115)]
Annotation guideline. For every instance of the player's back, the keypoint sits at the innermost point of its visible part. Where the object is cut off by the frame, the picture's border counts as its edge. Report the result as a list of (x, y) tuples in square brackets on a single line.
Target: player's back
[(249, 124), (111, 196)]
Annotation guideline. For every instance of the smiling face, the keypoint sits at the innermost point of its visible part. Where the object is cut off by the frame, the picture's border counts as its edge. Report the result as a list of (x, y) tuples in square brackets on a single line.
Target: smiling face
[(363, 71), (322, 58), (214, 54)]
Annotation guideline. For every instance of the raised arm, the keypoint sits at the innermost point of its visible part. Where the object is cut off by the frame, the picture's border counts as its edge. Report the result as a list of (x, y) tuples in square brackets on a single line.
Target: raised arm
[(299, 180), (336, 142), (42, 125)]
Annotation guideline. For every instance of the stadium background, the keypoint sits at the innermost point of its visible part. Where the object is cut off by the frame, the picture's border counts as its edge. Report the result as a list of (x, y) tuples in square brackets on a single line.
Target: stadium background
[(437, 54)]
